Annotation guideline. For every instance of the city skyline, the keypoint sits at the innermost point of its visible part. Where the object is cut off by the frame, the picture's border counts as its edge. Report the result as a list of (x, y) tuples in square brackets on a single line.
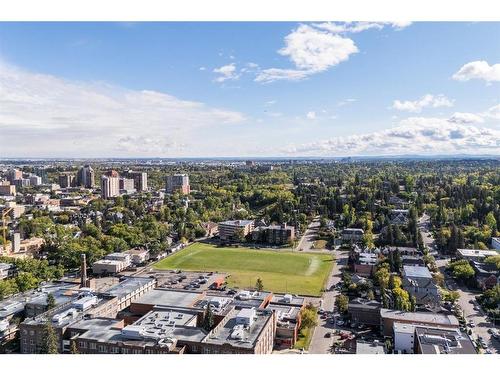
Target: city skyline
[(178, 90)]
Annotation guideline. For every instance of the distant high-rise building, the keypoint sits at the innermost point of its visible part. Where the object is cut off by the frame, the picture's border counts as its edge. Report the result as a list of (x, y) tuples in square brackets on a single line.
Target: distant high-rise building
[(140, 180), (14, 174), (178, 183), (110, 186), (127, 185), (35, 180), (66, 180), (112, 173), (42, 172), (22, 182), (7, 189), (86, 177)]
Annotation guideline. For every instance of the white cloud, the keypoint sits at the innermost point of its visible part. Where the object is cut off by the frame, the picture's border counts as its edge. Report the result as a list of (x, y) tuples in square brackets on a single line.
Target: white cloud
[(415, 135), (346, 102), (465, 118), (311, 115), (318, 47), (357, 27), (311, 50), (478, 70), (425, 101), (493, 112), (202, 68), (45, 115), (226, 72), (275, 74)]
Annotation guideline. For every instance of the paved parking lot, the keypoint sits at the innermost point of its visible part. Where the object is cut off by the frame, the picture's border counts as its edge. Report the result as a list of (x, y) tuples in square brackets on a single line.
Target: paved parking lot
[(196, 281)]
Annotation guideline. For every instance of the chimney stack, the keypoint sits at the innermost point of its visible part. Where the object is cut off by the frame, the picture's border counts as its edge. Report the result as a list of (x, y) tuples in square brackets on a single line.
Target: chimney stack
[(83, 271)]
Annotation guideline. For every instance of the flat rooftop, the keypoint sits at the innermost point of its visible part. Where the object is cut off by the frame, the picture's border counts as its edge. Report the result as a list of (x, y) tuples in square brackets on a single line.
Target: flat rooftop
[(17, 303), (219, 304), (284, 312), (443, 341), (175, 324), (236, 223), (67, 314), (95, 324), (127, 286), (365, 347), (288, 299), (419, 317), (404, 328), (417, 271), (236, 335), (169, 297), (477, 252)]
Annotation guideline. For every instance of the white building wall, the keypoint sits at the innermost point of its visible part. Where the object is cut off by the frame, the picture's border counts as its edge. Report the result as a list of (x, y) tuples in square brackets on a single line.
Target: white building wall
[(404, 341)]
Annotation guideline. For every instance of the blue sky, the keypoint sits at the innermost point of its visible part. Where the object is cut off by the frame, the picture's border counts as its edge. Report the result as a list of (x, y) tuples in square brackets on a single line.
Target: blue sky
[(249, 89)]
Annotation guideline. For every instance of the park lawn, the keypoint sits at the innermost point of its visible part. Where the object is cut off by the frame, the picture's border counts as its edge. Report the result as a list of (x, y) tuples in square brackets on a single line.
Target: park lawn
[(280, 271)]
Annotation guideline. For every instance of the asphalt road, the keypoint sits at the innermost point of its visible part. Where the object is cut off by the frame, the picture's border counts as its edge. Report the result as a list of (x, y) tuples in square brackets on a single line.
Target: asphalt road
[(307, 240), (320, 344)]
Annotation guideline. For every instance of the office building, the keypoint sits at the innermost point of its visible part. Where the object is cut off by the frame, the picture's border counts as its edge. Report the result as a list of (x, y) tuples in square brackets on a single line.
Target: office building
[(14, 174), (365, 311), (35, 180), (110, 185), (66, 180), (140, 180), (389, 317), (242, 331), (422, 339), (7, 189), (22, 182), (126, 185), (274, 234), (178, 183), (111, 264), (85, 177), (228, 229)]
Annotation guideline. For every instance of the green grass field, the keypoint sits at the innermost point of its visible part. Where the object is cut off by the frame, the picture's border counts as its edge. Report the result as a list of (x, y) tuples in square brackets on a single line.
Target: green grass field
[(280, 271)]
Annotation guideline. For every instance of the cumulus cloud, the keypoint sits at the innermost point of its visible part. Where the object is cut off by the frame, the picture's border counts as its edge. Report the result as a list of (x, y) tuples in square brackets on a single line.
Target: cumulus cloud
[(318, 47), (311, 50), (465, 118), (415, 135), (226, 72), (478, 70), (428, 100), (45, 115)]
